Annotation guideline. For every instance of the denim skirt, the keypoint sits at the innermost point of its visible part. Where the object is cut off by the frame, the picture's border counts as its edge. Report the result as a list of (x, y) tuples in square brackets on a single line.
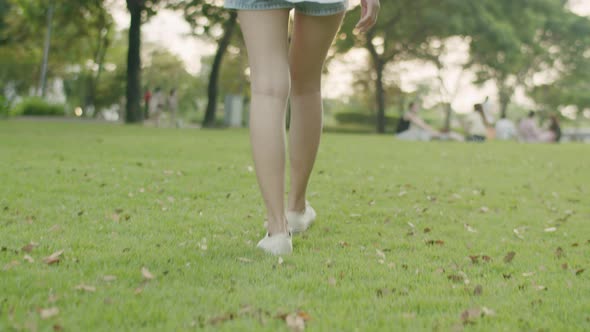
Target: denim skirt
[(312, 8)]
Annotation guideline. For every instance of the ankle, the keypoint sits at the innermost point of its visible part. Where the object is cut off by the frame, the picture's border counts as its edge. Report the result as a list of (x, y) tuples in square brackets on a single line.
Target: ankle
[(297, 206), (277, 227)]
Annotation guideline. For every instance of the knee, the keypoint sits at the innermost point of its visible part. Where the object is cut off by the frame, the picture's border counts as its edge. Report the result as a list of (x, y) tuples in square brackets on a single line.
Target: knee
[(305, 80), (275, 84)]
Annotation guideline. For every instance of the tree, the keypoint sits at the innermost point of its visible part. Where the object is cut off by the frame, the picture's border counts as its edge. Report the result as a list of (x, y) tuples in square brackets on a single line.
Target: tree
[(140, 11), (210, 20), (75, 26), (404, 31), (513, 41)]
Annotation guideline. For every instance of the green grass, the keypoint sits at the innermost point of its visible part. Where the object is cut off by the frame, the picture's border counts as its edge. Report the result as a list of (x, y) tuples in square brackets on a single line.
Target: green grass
[(389, 251)]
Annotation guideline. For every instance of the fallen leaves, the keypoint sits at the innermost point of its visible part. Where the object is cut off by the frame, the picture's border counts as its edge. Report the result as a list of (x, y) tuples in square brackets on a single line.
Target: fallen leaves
[(147, 275), (29, 259), (559, 252), (29, 247), (471, 315), (53, 258), (519, 232), (437, 242), (478, 290), (469, 228), (49, 312), (509, 257), (86, 288), (456, 278), (109, 278), (295, 322)]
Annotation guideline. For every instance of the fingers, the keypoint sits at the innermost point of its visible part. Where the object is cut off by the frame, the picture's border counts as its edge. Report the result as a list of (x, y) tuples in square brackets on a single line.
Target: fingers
[(369, 13)]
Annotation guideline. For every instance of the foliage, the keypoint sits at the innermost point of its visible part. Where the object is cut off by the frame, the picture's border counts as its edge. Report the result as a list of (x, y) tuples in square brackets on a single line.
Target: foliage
[(37, 107), (405, 31), (514, 41), (4, 106), (80, 38)]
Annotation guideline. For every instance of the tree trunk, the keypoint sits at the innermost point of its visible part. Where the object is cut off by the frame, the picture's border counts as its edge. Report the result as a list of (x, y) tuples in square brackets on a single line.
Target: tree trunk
[(133, 110), (212, 89), (380, 98), (46, 48), (448, 118), (104, 46), (379, 66), (505, 95)]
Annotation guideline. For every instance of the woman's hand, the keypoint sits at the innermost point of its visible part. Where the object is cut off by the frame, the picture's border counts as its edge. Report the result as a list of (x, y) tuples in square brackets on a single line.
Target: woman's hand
[(369, 13)]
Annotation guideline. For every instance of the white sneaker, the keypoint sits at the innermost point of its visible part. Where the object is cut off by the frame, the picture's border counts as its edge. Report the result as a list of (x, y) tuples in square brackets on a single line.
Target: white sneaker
[(278, 244), (300, 222)]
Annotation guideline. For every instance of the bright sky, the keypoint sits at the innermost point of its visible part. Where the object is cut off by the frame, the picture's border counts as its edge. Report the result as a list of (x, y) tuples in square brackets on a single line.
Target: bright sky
[(171, 31)]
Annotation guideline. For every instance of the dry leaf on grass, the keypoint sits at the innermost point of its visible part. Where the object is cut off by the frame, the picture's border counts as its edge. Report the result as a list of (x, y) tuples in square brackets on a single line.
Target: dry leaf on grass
[(49, 312), (478, 290), (220, 319), (296, 322), (380, 253), (53, 258), (519, 232), (559, 252), (488, 312), (86, 288), (146, 273), (469, 228), (29, 247), (109, 278), (456, 278), (332, 281), (29, 259), (470, 315), (509, 257)]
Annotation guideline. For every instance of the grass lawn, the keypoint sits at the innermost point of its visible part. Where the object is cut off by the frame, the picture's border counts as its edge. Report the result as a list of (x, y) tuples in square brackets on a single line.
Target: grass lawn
[(409, 236)]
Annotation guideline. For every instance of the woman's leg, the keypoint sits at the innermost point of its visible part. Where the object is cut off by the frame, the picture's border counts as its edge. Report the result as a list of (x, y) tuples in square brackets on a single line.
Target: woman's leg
[(266, 36), (311, 40)]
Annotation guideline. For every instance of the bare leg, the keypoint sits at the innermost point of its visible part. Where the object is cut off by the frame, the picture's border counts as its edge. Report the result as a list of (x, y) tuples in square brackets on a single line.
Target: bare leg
[(266, 36), (311, 40)]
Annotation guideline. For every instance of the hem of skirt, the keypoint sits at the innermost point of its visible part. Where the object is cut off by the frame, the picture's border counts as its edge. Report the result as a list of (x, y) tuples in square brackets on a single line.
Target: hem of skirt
[(323, 12), (332, 10), (236, 5)]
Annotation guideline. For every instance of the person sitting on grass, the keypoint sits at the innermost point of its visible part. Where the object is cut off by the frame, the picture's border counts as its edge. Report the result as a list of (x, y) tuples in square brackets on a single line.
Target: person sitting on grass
[(476, 125), (505, 129), (411, 127), (530, 132)]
